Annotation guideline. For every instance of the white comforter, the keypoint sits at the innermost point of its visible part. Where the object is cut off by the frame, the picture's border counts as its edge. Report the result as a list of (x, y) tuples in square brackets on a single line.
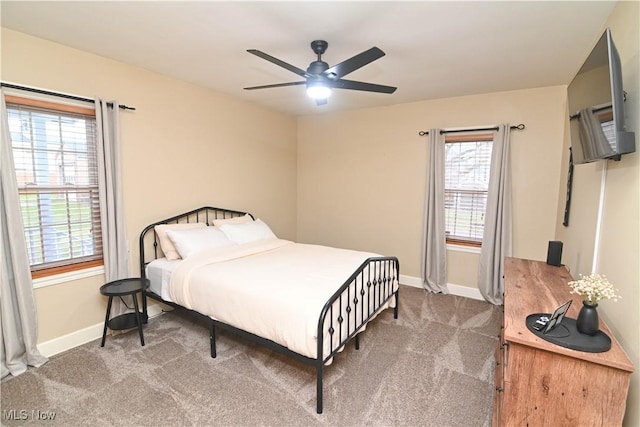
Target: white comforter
[(273, 288)]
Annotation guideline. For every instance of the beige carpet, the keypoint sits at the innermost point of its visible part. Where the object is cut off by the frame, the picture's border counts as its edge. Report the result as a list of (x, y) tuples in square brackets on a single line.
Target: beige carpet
[(433, 366)]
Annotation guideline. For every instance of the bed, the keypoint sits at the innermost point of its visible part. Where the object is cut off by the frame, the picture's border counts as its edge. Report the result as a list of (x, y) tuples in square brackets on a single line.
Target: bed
[(229, 269)]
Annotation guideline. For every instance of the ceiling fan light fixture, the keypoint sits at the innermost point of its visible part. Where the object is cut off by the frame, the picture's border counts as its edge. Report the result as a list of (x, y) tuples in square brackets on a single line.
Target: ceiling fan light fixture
[(317, 90)]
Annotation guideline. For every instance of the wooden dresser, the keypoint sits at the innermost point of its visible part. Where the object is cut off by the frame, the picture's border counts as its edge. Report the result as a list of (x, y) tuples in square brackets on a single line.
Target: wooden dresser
[(542, 384)]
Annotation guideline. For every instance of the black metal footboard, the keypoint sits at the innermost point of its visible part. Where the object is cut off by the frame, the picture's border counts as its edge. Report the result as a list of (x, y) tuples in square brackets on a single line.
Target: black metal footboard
[(369, 290)]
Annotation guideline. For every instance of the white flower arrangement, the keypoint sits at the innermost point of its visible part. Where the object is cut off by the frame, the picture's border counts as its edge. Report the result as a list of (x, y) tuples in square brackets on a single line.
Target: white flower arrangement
[(595, 287)]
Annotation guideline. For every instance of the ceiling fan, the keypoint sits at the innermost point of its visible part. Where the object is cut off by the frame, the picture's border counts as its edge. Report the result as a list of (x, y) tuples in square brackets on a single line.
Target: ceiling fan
[(320, 78)]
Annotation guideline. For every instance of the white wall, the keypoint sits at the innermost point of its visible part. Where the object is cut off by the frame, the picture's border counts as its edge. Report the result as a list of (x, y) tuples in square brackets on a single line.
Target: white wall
[(619, 250), (362, 174), (182, 148)]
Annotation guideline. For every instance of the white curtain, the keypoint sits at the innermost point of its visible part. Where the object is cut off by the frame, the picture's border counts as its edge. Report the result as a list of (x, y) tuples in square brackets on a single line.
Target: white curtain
[(434, 256), (497, 238), (594, 143), (18, 314), (114, 239)]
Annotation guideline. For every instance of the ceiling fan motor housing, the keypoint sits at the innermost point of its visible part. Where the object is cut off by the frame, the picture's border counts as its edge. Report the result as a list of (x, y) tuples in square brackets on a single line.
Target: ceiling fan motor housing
[(317, 67)]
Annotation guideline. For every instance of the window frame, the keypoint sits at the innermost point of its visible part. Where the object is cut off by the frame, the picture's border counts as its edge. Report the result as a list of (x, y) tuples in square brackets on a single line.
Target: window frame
[(467, 137), (65, 266)]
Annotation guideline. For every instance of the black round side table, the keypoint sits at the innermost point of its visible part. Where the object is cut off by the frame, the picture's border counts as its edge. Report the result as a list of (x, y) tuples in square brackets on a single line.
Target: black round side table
[(120, 288)]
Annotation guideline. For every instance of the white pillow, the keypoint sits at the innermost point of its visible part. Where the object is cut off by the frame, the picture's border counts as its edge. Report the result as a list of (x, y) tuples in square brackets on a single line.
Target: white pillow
[(166, 244), (234, 220), (248, 232), (188, 242)]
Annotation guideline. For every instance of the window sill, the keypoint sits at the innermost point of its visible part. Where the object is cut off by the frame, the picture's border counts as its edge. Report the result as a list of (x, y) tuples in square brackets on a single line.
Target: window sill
[(67, 277), (463, 248)]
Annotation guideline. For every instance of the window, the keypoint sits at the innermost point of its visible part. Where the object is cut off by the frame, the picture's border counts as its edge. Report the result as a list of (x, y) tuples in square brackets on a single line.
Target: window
[(55, 159), (467, 165), (606, 122)]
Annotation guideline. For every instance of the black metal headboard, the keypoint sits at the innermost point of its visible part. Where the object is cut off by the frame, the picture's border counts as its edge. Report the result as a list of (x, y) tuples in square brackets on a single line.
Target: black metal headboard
[(149, 239)]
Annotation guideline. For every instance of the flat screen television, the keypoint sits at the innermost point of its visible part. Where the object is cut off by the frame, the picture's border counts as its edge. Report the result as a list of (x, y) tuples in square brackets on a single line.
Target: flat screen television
[(596, 107)]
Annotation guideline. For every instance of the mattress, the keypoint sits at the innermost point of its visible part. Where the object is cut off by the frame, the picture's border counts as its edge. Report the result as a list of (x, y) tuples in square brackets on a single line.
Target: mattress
[(275, 289), (158, 272)]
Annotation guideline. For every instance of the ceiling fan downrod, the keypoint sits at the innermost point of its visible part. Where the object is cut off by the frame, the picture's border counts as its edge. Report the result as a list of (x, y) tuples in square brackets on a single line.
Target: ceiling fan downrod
[(318, 66)]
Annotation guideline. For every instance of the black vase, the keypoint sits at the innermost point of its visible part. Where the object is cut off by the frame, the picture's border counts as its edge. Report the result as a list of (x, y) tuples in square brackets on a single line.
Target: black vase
[(588, 322)]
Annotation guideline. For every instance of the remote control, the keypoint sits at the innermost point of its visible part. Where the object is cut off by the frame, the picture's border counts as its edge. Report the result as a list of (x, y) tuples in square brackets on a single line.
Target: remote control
[(539, 325)]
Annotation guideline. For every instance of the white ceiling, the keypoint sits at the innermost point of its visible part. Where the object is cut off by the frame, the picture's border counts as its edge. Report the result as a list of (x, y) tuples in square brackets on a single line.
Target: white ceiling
[(433, 49)]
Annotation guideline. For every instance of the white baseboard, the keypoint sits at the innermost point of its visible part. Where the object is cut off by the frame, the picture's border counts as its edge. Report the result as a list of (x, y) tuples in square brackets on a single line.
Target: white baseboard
[(462, 291), (83, 336)]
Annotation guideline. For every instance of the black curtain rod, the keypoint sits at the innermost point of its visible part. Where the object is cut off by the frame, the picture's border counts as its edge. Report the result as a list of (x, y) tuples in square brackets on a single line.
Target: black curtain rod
[(60, 95), (594, 110), (443, 131)]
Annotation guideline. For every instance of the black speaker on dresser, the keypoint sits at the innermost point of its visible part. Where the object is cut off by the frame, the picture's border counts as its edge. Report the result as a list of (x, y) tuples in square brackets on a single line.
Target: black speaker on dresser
[(554, 253)]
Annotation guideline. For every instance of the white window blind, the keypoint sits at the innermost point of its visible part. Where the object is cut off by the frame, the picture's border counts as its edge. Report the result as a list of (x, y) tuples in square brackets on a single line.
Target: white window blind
[(467, 165), (55, 159), (609, 132)]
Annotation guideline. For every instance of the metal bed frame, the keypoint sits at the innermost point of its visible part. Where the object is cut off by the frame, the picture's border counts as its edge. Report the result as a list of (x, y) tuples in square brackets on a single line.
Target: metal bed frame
[(380, 273)]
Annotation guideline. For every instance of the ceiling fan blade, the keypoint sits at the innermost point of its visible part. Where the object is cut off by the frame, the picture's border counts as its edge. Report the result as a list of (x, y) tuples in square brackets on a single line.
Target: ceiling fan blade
[(298, 71), (353, 63), (275, 85), (367, 87)]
